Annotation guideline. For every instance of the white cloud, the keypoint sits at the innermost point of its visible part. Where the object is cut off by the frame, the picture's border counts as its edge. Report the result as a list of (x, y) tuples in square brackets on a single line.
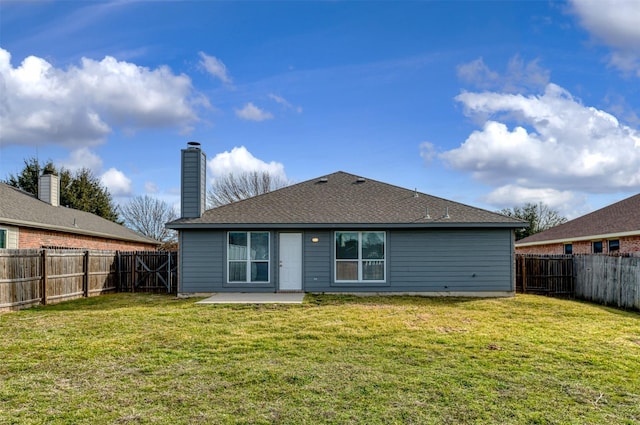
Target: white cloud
[(77, 106), (215, 67), (251, 112), (151, 187), (616, 23), (478, 73), (520, 76), (285, 103), (626, 62), (427, 152), (513, 195), (556, 142), (83, 158), (240, 160), (117, 182)]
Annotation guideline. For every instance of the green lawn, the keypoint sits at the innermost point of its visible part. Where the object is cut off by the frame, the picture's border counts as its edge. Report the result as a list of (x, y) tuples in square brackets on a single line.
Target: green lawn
[(152, 359)]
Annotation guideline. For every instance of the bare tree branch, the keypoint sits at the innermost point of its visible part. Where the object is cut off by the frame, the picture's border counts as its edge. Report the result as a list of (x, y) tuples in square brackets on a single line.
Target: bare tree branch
[(235, 187), (147, 215)]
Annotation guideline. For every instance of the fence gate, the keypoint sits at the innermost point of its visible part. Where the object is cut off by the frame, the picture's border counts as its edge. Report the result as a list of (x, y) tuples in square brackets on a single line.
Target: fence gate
[(545, 274), (149, 271)]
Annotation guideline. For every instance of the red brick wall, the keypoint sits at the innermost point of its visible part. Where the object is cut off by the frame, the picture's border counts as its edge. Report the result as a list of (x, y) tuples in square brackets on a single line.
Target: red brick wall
[(34, 238), (629, 244)]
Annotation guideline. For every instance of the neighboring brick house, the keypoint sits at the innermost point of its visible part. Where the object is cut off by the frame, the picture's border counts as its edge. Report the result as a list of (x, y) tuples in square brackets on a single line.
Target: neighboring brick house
[(611, 230), (27, 221)]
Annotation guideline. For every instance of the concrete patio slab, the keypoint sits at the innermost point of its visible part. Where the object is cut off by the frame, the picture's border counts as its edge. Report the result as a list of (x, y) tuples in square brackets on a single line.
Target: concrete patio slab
[(254, 298)]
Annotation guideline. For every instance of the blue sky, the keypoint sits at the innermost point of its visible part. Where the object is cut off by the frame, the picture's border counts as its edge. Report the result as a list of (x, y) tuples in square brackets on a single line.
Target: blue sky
[(492, 104)]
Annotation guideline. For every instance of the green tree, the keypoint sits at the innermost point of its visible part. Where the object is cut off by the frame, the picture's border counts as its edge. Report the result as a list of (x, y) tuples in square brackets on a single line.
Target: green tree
[(80, 190), (27, 179), (539, 216)]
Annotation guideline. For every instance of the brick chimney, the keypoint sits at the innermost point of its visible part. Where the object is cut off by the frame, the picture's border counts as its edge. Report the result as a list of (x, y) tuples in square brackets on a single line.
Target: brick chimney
[(49, 189), (193, 181)]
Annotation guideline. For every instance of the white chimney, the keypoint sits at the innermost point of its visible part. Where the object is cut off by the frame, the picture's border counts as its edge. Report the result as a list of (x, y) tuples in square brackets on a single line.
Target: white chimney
[(49, 189)]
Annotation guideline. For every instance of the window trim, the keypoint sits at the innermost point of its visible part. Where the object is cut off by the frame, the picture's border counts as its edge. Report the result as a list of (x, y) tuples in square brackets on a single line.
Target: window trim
[(360, 260), (248, 259), (593, 247), (617, 248)]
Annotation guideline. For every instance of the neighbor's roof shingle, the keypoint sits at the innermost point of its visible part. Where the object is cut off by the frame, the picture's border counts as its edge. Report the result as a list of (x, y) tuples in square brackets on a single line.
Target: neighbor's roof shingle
[(19, 208), (345, 199), (623, 217)]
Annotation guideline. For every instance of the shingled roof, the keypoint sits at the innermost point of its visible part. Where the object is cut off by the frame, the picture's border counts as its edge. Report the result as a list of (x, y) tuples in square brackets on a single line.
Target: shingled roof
[(22, 209), (345, 199), (619, 219)]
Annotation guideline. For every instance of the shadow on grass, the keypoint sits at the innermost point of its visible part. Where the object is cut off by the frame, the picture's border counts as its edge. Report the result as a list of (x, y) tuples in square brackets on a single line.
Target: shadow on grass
[(114, 301), (621, 311), (118, 301), (406, 300)]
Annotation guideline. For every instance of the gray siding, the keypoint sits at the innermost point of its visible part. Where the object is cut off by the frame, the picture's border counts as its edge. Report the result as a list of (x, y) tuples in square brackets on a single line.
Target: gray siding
[(451, 260), (192, 199), (316, 261), (432, 260), (203, 264), (201, 261)]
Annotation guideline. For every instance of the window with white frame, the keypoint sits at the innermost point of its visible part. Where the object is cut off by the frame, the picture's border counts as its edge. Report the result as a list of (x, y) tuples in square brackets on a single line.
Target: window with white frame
[(360, 256), (248, 257)]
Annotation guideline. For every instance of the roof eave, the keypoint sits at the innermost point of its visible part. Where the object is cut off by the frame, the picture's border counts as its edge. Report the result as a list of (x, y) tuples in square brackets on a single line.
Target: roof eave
[(579, 238), (185, 226), (21, 223)]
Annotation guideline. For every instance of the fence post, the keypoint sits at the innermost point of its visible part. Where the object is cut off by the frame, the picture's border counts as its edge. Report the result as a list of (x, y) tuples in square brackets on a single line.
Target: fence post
[(43, 289), (119, 279), (85, 277), (133, 272), (524, 274), (620, 284), (169, 271)]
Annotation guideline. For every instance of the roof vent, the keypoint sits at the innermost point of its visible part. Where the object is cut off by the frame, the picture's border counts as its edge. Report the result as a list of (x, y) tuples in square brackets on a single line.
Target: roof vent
[(446, 212), (361, 180), (426, 212), (323, 180)]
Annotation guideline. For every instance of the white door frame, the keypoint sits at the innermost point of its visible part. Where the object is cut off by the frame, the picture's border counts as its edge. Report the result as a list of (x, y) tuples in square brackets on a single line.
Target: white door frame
[(290, 262)]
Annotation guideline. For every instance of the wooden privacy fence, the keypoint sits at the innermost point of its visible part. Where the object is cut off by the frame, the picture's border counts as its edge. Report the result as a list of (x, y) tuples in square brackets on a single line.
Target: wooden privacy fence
[(603, 279), (608, 280), (46, 276), (549, 275), (148, 271)]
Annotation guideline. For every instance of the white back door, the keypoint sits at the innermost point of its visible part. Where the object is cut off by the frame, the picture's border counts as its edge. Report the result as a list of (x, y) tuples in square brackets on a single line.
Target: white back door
[(290, 262)]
